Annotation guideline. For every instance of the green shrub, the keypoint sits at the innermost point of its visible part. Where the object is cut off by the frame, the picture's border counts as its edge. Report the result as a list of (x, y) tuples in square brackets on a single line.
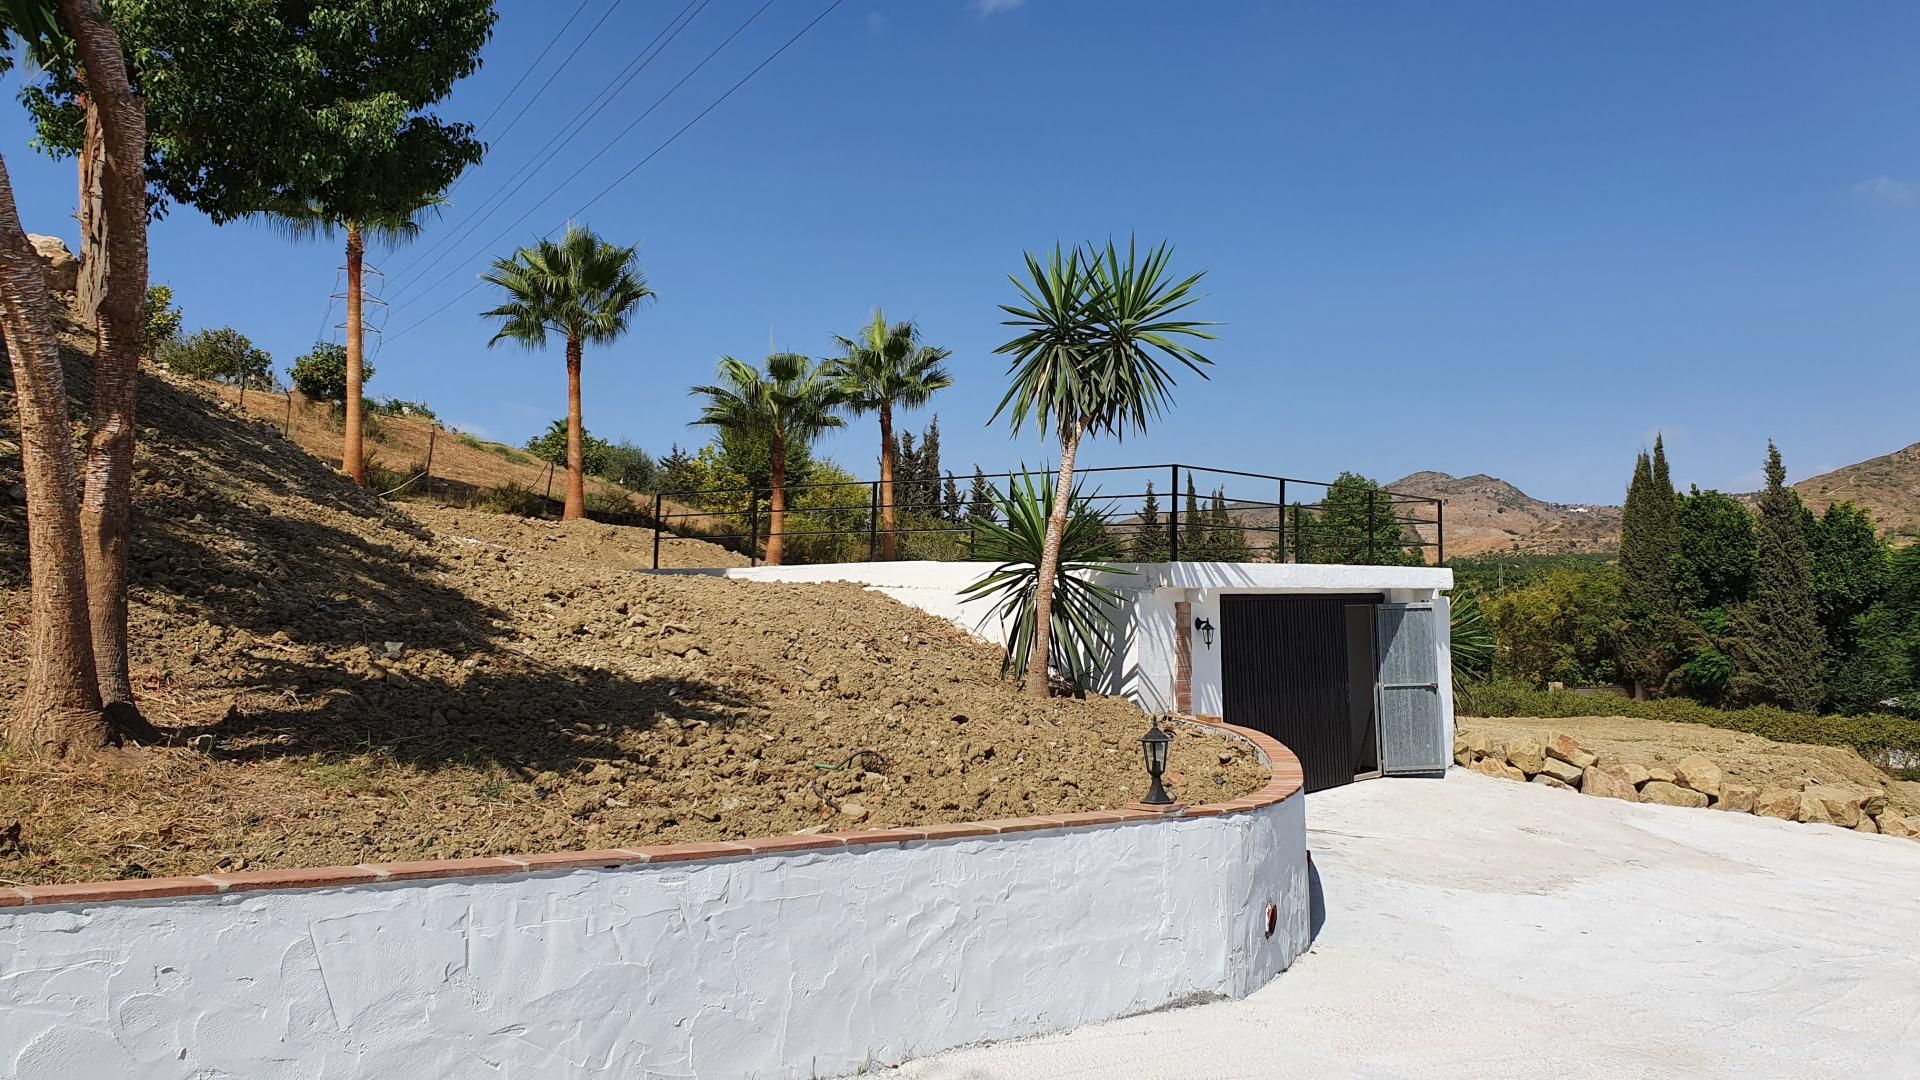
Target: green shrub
[(224, 354), (322, 373), (511, 498), (384, 481), (1878, 737)]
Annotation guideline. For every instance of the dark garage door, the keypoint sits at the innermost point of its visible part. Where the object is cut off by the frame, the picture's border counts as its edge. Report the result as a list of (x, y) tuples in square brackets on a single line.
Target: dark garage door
[(1301, 669)]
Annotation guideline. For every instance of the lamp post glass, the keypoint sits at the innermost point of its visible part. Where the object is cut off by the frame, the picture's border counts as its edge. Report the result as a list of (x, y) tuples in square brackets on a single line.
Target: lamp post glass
[(1153, 746)]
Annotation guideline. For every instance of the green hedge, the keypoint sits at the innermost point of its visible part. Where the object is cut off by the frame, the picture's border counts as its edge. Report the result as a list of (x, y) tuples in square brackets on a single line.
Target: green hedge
[(1874, 735)]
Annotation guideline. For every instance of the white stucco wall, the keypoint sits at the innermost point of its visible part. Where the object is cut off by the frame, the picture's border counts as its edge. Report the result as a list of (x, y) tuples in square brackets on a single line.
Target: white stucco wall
[(800, 965)]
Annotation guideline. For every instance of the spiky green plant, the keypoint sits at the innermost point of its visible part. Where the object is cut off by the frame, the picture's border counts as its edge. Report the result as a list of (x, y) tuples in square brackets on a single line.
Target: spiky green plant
[(1471, 640), (1081, 626)]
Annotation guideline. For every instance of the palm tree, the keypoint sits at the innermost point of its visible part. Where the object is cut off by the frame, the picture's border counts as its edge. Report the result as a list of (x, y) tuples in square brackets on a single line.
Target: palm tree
[(887, 366), (581, 287), (1095, 335), (793, 402), (392, 227)]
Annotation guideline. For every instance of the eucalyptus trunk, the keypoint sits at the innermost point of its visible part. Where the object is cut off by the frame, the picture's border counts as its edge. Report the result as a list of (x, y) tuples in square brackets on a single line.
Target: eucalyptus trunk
[(113, 295), (60, 712), (889, 543), (777, 502), (352, 450), (576, 507), (1037, 681)]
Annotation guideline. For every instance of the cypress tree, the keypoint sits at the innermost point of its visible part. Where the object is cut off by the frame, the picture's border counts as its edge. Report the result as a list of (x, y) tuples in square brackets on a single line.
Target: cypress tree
[(1778, 647), (980, 499), (1196, 540), (952, 510), (1649, 543), (1150, 540), (1229, 543)]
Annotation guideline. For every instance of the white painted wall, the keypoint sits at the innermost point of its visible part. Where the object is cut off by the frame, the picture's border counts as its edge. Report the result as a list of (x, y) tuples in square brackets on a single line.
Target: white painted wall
[(802, 965)]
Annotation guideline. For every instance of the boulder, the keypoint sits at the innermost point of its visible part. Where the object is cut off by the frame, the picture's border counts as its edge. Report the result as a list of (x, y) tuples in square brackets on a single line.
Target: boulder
[(1874, 804), (1842, 804), (1894, 825), (1699, 773), (1548, 780), (1561, 770), (1564, 747), (1607, 783), (1659, 791), (1737, 798), (1777, 803), (1662, 773), (1635, 774), (56, 262), (1497, 769), (1475, 744), (1812, 810), (1866, 825), (1527, 753)]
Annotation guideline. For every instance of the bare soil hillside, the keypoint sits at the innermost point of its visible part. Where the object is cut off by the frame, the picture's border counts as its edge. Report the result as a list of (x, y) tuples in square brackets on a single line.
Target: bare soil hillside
[(1486, 515), (1888, 487), (380, 685)]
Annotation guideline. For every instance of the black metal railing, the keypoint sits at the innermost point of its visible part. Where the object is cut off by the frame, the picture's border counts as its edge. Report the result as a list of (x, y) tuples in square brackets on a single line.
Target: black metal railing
[(1304, 521)]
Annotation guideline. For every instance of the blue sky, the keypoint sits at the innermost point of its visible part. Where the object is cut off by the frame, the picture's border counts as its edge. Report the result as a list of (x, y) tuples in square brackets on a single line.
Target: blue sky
[(1514, 239)]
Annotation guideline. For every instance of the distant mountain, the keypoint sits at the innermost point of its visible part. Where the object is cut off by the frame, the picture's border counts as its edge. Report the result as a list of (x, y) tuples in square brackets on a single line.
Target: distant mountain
[(1888, 487), (1485, 515)]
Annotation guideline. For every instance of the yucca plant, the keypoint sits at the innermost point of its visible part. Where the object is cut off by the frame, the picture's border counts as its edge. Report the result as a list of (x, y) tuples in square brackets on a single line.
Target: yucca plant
[(1081, 628), (1471, 640)]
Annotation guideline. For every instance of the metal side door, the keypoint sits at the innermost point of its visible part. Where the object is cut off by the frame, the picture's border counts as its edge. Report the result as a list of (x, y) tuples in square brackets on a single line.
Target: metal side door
[(1412, 723)]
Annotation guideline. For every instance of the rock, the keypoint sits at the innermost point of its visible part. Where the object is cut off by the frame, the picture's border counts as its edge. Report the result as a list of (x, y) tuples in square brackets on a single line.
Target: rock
[(1497, 769), (1866, 825), (1526, 753), (17, 494), (1874, 804), (1700, 773), (57, 262), (1777, 803), (1607, 783), (1737, 798), (1476, 745), (603, 773), (1560, 770), (1548, 780), (1662, 774), (1666, 794), (1842, 805), (1566, 748), (393, 649), (1635, 774), (1894, 825), (854, 811), (1812, 811)]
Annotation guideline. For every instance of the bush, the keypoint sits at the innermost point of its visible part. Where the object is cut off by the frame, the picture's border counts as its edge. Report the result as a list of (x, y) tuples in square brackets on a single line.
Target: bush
[(225, 354), (551, 447), (1877, 736), (322, 373), (512, 498), (384, 481), (400, 407)]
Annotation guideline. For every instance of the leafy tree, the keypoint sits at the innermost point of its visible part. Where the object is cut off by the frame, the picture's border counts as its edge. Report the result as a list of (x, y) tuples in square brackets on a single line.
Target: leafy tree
[(581, 288), (1778, 648), (160, 318), (631, 467), (1357, 523), (1150, 538), (790, 404), (680, 471), (1714, 552), (1648, 541), (551, 447), (321, 373), (1561, 627), (886, 366), (1882, 670), (1849, 568), (225, 355), (1095, 336)]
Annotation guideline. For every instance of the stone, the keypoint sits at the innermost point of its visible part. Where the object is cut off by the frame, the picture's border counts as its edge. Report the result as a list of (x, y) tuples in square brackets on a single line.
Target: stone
[(1635, 774), (1566, 748), (1812, 810), (1894, 825), (1662, 774), (1561, 771), (56, 262), (1607, 783), (1779, 803), (1498, 769), (1526, 753), (1476, 745), (1666, 794), (1548, 780), (1700, 773), (854, 811), (1866, 825), (1737, 798), (1874, 804), (1842, 804)]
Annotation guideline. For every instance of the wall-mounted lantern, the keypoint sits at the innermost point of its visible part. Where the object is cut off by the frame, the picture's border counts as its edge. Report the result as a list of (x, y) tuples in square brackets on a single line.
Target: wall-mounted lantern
[(1153, 746), (1205, 626)]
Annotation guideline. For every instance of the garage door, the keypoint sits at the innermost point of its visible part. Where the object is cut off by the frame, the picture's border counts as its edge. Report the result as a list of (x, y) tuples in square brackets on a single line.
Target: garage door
[(1301, 670)]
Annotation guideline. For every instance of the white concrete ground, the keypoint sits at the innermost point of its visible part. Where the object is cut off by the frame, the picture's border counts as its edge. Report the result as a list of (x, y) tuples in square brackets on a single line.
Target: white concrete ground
[(1483, 929)]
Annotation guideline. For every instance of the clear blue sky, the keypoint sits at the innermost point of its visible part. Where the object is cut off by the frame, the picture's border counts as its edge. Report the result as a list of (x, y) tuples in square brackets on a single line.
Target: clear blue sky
[(1500, 238)]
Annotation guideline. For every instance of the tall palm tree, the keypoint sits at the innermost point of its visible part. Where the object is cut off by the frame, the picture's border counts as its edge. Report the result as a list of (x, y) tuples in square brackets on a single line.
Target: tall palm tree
[(792, 403), (1095, 336), (390, 226), (886, 366), (582, 288)]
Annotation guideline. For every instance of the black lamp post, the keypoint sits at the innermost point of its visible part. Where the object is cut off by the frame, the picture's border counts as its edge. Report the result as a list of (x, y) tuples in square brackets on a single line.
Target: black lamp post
[(1153, 746)]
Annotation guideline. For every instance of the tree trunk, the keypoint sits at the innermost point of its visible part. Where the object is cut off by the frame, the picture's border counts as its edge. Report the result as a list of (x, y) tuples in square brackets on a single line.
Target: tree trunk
[(60, 712), (1037, 685), (352, 457), (576, 507), (113, 263), (889, 547), (90, 210), (777, 512)]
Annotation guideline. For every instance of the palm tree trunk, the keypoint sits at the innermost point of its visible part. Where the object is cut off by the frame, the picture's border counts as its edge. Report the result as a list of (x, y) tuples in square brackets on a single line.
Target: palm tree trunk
[(576, 507), (889, 546), (60, 712), (1037, 684), (352, 460), (777, 513), (115, 243)]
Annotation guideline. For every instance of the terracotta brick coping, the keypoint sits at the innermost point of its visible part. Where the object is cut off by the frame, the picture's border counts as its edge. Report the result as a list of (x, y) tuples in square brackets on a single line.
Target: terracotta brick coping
[(1284, 782)]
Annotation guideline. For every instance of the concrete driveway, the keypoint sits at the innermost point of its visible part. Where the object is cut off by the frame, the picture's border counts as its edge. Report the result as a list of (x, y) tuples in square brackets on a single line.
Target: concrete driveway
[(1479, 928)]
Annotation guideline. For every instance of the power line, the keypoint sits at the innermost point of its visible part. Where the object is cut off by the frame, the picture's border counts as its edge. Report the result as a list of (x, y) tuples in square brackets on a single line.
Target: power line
[(571, 177), (540, 158), (656, 151), (555, 40)]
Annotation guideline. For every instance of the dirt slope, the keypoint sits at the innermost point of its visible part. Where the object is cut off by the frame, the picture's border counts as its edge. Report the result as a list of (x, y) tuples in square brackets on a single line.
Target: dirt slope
[(385, 686), (1486, 515), (1888, 487)]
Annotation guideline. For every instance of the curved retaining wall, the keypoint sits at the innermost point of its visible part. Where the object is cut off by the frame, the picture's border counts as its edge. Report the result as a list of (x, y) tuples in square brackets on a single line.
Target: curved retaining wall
[(794, 956)]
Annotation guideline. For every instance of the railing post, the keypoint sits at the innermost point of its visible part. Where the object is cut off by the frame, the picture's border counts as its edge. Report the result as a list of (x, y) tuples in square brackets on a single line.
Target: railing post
[(431, 432), (288, 429), (873, 522), (657, 526), (1281, 555), (1440, 531), (753, 527), (1173, 518), (1373, 500)]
